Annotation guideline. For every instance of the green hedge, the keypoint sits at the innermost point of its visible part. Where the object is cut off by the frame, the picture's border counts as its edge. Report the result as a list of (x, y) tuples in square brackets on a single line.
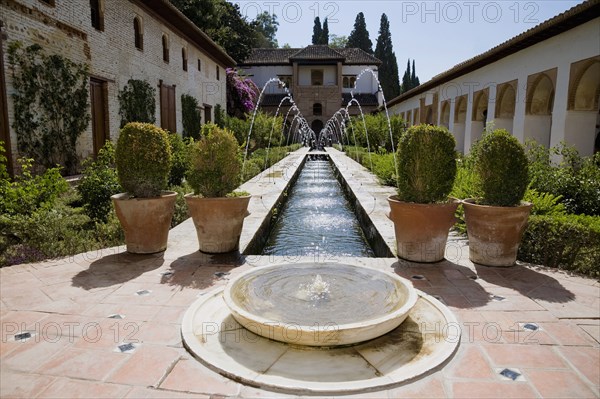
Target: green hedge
[(570, 242)]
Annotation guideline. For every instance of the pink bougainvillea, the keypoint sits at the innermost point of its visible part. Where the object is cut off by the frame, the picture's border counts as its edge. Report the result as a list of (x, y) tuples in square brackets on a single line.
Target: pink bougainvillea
[(242, 93)]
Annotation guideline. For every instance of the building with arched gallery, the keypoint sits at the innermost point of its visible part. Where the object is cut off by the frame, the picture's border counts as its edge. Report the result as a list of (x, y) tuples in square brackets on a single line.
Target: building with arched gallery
[(543, 84)]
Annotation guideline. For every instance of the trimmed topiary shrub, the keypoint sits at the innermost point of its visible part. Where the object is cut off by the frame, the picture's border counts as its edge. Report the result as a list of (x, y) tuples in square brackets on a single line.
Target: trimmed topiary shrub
[(180, 153), (98, 183), (426, 164), (143, 159), (215, 162), (570, 242), (501, 167)]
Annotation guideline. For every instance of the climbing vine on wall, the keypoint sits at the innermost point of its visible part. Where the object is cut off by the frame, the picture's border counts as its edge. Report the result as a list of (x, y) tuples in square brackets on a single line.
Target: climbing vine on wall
[(51, 105), (136, 102), (191, 116)]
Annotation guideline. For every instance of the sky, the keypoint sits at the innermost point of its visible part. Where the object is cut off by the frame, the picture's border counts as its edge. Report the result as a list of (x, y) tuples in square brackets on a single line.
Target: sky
[(436, 34)]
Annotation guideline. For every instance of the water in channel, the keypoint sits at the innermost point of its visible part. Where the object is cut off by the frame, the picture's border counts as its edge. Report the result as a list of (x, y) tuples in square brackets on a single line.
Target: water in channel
[(317, 219)]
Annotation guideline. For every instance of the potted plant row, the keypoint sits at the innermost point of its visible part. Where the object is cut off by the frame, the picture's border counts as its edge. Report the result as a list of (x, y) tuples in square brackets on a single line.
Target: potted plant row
[(214, 172), (422, 212), (496, 221), (143, 161)]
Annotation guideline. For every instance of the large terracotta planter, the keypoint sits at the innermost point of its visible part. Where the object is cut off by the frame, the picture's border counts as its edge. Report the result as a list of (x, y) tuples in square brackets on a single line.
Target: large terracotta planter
[(421, 229), (145, 221), (495, 232), (218, 221)]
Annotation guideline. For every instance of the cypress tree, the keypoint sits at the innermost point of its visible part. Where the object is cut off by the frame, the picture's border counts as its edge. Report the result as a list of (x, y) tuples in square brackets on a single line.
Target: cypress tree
[(317, 31), (359, 37), (414, 78), (388, 71), (406, 79), (325, 33)]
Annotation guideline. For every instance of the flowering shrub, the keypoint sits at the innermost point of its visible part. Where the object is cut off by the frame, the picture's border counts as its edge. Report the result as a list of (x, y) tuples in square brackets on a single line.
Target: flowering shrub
[(242, 94)]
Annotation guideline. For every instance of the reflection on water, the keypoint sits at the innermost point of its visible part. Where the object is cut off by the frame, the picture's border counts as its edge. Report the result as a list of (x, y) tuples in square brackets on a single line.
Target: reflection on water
[(317, 218)]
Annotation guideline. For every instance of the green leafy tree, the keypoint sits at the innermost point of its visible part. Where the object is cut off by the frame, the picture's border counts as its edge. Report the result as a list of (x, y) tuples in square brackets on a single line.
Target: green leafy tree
[(190, 115), (317, 31), (51, 105), (359, 37), (336, 41), (325, 33), (266, 25), (136, 102), (410, 80), (224, 23), (388, 71)]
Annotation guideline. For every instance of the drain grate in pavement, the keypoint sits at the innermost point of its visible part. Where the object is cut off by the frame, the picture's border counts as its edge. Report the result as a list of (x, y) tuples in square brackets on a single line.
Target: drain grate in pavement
[(126, 347), (497, 298), (473, 277), (143, 292), (221, 274), (530, 327), (418, 277), (508, 373), (24, 336), (116, 316), (167, 274)]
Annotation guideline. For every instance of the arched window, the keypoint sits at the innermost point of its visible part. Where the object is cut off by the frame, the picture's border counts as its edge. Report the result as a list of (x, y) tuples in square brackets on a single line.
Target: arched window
[(97, 14), (137, 32), (165, 45), (540, 96), (184, 58), (218, 73), (317, 109)]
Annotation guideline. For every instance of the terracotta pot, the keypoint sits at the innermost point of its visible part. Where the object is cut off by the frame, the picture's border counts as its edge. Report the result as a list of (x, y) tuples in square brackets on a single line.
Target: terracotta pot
[(495, 232), (218, 221), (145, 221), (422, 229)]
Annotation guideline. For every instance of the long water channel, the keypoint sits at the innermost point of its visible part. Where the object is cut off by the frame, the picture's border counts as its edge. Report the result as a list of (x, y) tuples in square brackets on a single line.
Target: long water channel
[(317, 219)]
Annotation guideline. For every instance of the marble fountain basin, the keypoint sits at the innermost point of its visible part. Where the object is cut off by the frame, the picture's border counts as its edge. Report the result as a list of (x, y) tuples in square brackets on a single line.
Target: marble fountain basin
[(326, 304)]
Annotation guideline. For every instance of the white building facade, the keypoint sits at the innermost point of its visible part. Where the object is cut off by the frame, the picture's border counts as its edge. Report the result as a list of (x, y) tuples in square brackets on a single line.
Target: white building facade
[(119, 40), (543, 84)]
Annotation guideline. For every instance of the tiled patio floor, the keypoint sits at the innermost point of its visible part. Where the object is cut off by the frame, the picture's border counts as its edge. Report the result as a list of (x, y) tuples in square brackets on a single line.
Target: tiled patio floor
[(73, 351)]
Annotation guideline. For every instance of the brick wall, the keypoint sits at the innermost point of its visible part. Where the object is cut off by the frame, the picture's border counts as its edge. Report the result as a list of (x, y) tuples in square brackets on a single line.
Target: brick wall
[(66, 29)]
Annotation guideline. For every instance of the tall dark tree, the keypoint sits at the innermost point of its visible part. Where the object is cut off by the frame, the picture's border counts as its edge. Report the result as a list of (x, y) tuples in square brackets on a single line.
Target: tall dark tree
[(359, 37), (406, 79), (413, 77), (317, 31), (388, 71), (266, 25), (325, 33)]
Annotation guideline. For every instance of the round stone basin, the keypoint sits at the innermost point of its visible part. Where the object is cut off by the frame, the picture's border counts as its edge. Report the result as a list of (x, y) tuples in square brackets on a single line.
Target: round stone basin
[(325, 304)]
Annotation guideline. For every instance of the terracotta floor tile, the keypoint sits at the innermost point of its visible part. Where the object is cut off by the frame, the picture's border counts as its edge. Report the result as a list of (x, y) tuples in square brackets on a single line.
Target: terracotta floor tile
[(130, 311), (68, 388), (29, 355), (191, 376), (108, 333), (469, 362), (506, 355), (592, 331), (146, 366), (168, 314), (247, 392), (18, 385), (84, 364), (429, 387), (568, 334), (139, 393), (161, 333), (491, 389), (558, 384), (586, 360)]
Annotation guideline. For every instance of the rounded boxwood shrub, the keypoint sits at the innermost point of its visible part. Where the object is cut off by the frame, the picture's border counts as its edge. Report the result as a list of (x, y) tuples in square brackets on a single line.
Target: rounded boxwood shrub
[(426, 164), (143, 159), (215, 162), (502, 169)]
